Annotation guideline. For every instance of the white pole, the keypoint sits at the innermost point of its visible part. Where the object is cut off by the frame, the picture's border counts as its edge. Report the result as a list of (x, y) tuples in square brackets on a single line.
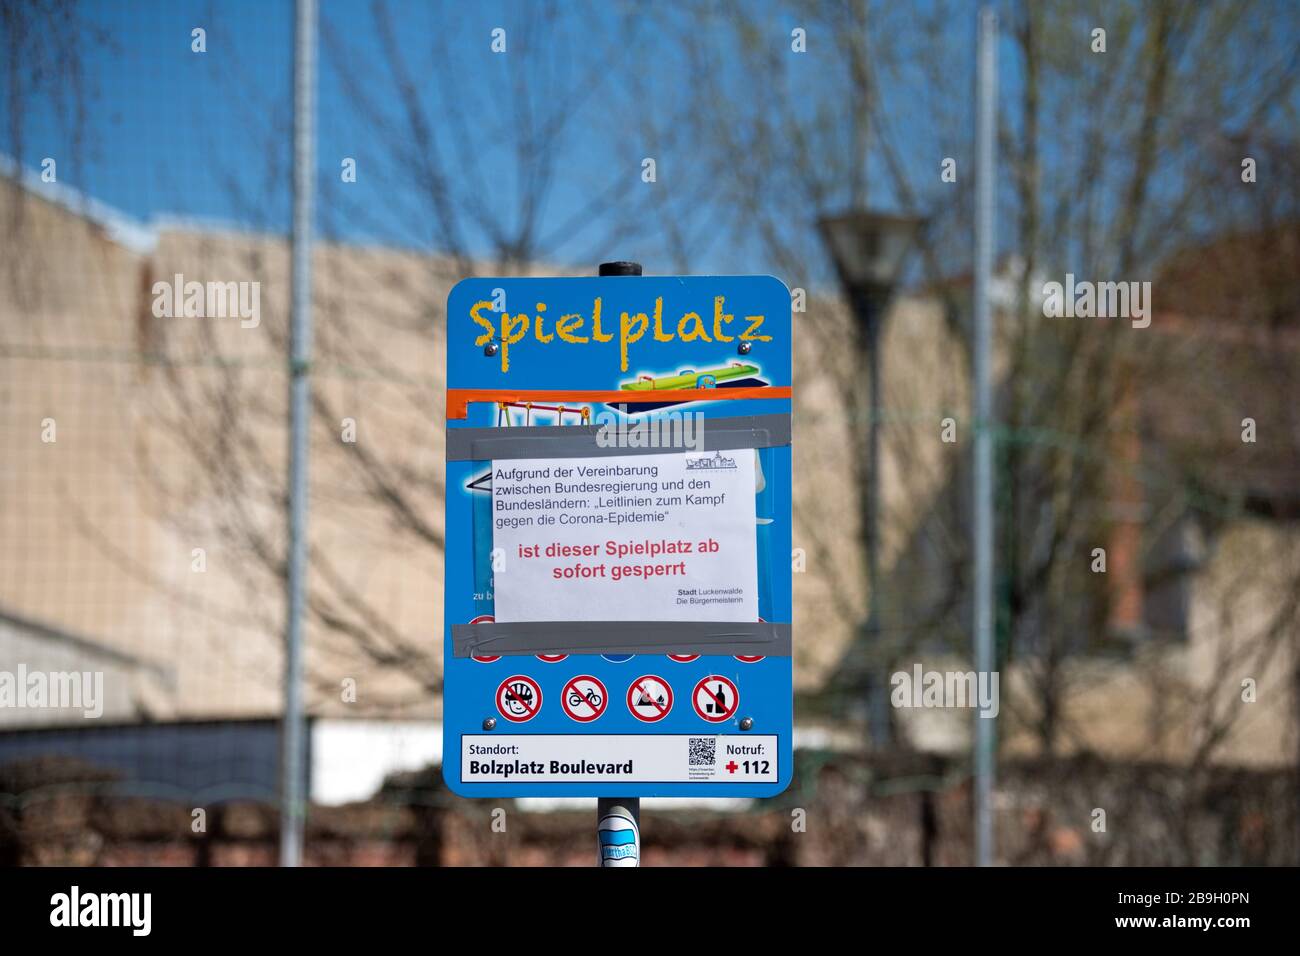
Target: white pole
[(985, 213), (293, 762)]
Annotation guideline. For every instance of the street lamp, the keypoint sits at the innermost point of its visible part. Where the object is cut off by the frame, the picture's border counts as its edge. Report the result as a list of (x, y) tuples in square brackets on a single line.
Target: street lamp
[(868, 249)]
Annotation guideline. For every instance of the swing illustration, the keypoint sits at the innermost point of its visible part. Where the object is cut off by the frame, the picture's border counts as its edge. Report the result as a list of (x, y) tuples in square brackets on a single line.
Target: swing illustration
[(483, 482), (503, 412)]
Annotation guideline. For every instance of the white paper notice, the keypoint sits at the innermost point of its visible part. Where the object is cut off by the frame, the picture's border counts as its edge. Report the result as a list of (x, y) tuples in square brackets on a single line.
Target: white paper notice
[(628, 538)]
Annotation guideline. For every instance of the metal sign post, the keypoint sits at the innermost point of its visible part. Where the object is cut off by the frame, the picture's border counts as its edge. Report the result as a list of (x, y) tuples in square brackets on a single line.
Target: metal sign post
[(618, 603), (294, 743), (982, 473), (618, 819)]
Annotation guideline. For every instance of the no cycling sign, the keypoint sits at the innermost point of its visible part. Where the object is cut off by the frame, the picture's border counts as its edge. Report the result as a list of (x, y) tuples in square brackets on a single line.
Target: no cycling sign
[(584, 698), (617, 609)]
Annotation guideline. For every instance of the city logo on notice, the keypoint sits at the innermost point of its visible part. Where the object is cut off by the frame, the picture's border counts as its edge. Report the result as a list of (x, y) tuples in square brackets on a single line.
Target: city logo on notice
[(717, 462)]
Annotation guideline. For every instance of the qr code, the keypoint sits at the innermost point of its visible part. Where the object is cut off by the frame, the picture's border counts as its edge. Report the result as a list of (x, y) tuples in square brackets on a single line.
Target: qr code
[(704, 751)]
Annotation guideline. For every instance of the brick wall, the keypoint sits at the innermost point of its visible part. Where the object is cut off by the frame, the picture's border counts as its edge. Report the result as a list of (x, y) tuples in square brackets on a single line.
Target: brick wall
[(902, 810)]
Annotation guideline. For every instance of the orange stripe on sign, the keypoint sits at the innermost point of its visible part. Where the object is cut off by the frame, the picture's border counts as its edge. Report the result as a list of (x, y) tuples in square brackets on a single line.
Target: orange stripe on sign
[(458, 399)]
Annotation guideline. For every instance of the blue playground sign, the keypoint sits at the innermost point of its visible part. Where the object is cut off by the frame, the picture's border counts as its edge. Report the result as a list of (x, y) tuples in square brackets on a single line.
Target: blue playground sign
[(618, 537)]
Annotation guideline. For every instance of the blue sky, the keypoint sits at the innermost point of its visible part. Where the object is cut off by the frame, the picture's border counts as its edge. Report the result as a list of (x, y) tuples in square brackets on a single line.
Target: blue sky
[(168, 132), (156, 123), (172, 133)]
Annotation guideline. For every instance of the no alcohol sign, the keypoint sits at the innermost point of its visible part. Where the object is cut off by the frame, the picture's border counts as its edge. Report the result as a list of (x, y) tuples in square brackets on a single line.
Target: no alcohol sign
[(715, 698)]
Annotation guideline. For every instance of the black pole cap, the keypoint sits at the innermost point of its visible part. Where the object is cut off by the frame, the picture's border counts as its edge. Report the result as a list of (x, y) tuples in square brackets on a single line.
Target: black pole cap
[(620, 268)]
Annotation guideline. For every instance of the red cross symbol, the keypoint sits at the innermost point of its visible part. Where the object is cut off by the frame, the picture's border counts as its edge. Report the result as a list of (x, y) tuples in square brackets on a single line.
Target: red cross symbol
[(732, 767)]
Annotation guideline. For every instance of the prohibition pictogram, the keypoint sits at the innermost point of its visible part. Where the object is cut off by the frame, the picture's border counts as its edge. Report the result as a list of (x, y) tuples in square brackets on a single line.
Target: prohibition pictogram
[(649, 698), (715, 698), (683, 658), (751, 658), (485, 658), (584, 698), (519, 698)]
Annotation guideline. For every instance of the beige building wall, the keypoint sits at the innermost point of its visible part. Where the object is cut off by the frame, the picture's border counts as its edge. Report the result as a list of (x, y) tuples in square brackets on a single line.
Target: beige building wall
[(154, 523), (48, 678), (76, 548)]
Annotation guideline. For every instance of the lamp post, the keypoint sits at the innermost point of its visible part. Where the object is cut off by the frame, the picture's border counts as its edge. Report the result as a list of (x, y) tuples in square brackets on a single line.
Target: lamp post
[(868, 249)]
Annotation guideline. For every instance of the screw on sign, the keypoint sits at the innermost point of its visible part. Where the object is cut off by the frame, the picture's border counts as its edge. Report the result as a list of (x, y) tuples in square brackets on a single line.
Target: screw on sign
[(584, 698), (715, 698), (649, 698), (519, 698)]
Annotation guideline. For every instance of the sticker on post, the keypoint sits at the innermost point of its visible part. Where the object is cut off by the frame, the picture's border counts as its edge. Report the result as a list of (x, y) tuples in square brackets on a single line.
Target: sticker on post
[(620, 840)]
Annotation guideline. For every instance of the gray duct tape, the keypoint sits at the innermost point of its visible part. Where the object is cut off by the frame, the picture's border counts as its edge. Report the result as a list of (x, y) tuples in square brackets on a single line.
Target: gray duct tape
[(621, 637), (581, 441)]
